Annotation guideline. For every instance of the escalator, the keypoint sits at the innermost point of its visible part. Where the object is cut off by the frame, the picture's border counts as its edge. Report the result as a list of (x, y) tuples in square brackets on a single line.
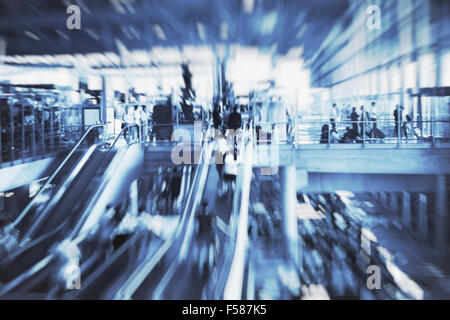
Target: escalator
[(64, 215), (57, 218), (148, 274), (143, 266), (175, 275), (142, 246), (222, 278)]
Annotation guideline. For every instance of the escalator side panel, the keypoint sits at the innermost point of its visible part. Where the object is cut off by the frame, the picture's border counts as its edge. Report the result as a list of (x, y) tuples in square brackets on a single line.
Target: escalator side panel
[(126, 167)]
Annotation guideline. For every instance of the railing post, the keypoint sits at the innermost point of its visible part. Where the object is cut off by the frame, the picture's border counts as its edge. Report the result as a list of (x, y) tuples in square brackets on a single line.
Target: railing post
[(22, 111), (33, 126), (11, 124), (1, 147), (431, 129), (364, 125), (43, 130), (51, 117), (398, 124), (295, 131)]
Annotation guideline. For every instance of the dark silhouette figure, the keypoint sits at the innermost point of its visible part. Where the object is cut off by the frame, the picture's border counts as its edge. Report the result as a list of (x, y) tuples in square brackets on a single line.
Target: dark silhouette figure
[(354, 118), (235, 120), (217, 118), (324, 134), (349, 136), (398, 118)]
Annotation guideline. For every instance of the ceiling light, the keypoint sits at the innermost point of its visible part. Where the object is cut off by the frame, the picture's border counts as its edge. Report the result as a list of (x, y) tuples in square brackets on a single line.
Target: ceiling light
[(248, 6)]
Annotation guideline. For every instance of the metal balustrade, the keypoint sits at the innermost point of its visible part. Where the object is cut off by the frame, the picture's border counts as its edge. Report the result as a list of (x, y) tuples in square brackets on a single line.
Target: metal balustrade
[(368, 132)]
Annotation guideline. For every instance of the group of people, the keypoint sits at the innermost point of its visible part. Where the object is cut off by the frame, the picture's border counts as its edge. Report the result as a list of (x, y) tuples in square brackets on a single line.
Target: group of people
[(226, 158), (135, 115), (165, 193), (363, 126)]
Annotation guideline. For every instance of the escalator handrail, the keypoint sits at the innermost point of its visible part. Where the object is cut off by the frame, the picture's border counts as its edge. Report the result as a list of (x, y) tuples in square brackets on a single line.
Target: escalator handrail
[(26, 274), (8, 287), (219, 286), (75, 173), (104, 267), (57, 195), (50, 179), (233, 287), (76, 230), (144, 270), (158, 293), (122, 132), (189, 231)]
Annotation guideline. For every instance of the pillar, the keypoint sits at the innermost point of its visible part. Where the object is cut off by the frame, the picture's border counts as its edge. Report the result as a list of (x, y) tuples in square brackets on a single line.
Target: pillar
[(406, 209), (393, 201), (103, 101), (290, 226), (383, 199), (423, 217), (441, 214)]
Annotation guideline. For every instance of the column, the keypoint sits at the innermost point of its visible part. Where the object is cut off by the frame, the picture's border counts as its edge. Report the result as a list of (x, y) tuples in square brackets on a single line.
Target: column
[(423, 217), (393, 201), (383, 199), (103, 101), (441, 214), (406, 209), (290, 226)]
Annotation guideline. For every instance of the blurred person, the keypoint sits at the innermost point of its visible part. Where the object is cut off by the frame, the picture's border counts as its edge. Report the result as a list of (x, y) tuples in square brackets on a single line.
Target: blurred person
[(354, 117), (230, 171), (138, 121), (145, 117), (349, 136), (373, 115), (375, 133), (324, 134), (165, 195), (405, 127), (175, 186), (289, 126), (333, 116), (235, 120), (70, 128), (251, 119), (221, 149), (364, 122), (334, 136), (204, 251), (234, 123), (398, 118), (217, 118), (28, 123), (127, 120)]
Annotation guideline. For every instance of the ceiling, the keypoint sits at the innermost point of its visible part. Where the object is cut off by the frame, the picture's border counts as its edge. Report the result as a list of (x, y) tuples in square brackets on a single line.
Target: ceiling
[(38, 27)]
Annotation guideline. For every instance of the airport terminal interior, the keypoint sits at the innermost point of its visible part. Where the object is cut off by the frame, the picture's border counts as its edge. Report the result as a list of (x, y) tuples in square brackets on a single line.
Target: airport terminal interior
[(225, 149)]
